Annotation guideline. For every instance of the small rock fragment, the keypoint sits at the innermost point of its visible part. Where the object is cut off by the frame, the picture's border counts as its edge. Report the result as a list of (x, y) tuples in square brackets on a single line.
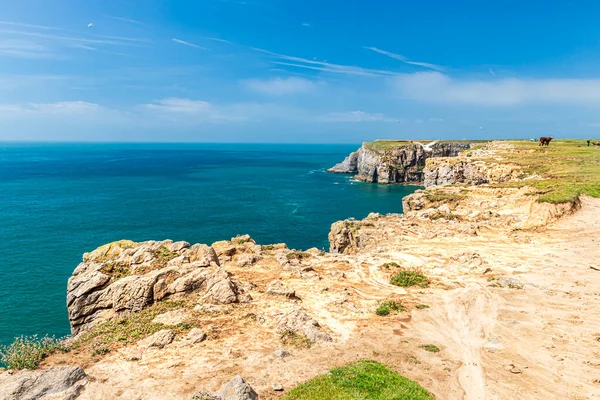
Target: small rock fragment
[(279, 288), (160, 339), (281, 353), (277, 387)]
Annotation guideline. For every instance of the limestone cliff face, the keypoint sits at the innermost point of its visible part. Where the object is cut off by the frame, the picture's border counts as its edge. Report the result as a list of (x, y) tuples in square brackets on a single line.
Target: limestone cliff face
[(124, 277), (447, 170), (394, 162)]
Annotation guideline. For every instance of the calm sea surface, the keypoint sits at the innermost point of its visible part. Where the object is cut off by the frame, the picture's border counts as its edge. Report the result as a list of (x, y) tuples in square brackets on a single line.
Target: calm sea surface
[(58, 201)]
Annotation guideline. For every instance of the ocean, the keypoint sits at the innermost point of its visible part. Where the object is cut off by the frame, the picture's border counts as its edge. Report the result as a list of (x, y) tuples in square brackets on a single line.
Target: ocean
[(58, 201)]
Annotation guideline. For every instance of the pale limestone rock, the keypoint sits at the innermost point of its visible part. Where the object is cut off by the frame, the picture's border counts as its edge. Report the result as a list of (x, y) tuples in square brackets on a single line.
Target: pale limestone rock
[(54, 383), (238, 389), (300, 322), (195, 336), (160, 339), (172, 318), (280, 289), (220, 289)]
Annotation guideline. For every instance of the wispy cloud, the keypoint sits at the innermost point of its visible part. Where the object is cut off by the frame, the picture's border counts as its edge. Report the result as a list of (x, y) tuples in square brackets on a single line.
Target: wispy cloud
[(131, 21), (280, 86), (435, 87), (183, 42), (218, 40), (73, 108), (24, 49), (357, 116), (75, 39), (324, 66), (306, 24), (406, 60), (23, 25)]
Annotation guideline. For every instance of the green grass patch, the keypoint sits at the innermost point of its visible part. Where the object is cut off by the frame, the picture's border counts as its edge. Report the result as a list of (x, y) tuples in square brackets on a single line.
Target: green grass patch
[(409, 278), (293, 339), (387, 307), (568, 167), (26, 352), (361, 380), (422, 306), (432, 348), (129, 329)]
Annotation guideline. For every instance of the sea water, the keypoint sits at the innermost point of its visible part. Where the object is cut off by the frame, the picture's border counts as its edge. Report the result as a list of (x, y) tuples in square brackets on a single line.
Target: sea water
[(58, 201)]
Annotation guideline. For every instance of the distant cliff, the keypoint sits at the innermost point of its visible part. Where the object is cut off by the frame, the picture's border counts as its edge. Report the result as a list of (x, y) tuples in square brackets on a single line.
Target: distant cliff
[(385, 161)]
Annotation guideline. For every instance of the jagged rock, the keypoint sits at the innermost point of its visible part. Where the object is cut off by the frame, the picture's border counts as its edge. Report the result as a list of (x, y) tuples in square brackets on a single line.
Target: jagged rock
[(280, 289), (125, 276), (344, 237), (450, 170), (245, 260), (238, 389), (195, 336), (348, 166), (281, 353), (394, 162), (298, 321), (160, 339), (171, 318), (220, 289), (56, 383)]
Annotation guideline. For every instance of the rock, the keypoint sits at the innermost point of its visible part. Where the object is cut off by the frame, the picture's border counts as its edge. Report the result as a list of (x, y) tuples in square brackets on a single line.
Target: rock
[(344, 237), (195, 336), (238, 389), (220, 289), (171, 318), (202, 254), (281, 353), (493, 344), (280, 289), (394, 162), (212, 308), (242, 239), (348, 166), (160, 339), (277, 387), (59, 382), (298, 321), (245, 260)]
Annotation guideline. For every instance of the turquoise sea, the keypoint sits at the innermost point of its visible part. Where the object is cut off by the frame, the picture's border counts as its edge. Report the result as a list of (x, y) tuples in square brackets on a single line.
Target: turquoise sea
[(58, 201)]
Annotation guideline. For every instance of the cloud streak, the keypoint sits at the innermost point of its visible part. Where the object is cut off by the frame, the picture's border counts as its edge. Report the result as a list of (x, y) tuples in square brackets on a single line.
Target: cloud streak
[(183, 42), (406, 60), (280, 86), (435, 87)]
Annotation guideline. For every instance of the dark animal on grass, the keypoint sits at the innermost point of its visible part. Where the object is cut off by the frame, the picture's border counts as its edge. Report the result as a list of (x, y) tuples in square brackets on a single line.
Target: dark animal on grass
[(545, 140)]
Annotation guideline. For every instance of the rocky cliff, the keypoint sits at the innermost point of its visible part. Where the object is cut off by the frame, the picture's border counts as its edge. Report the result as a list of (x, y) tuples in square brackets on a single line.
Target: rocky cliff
[(394, 161)]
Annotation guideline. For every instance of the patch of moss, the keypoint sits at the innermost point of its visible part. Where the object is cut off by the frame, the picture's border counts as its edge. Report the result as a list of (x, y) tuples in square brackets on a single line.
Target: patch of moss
[(293, 339), (387, 307), (432, 348), (422, 306)]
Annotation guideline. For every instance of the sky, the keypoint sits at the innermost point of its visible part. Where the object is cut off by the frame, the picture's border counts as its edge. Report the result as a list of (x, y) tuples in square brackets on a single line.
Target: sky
[(309, 71)]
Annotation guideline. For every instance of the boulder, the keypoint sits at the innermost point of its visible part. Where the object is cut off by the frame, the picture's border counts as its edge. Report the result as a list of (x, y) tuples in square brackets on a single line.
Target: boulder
[(238, 389), (160, 339), (57, 383), (220, 289), (195, 336), (299, 322), (279, 288)]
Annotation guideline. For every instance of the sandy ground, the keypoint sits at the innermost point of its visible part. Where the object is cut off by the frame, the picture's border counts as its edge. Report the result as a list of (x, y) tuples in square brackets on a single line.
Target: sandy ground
[(539, 339)]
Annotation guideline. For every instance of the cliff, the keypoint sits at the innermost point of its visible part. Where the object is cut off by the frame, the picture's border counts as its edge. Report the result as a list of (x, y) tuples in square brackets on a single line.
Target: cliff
[(395, 161)]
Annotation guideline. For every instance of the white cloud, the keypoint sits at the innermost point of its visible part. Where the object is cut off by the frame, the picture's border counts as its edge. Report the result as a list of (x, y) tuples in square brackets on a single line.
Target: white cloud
[(299, 62), (62, 108), (434, 87), (357, 116), (24, 49), (280, 86), (183, 42), (405, 59)]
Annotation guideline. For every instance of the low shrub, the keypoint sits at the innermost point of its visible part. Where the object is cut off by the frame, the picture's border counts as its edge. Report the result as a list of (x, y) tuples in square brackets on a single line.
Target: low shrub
[(26, 352), (410, 277), (387, 307)]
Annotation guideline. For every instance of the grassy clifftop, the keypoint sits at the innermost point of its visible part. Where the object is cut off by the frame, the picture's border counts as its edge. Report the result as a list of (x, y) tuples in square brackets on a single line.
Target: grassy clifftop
[(567, 168)]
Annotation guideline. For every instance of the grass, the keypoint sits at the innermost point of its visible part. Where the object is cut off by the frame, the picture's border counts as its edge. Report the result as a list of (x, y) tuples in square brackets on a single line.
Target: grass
[(127, 330), (291, 338), (568, 167), (437, 196), (298, 255), (387, 307), (432, 348), (409, 278), (361, 380), (422, 306), (26, 352)]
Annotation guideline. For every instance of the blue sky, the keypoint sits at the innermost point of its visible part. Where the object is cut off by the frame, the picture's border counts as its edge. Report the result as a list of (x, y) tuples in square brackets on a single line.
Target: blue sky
[(311, 71)]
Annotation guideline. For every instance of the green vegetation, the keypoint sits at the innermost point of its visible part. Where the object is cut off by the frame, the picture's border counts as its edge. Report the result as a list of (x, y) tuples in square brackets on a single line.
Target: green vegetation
[(162, 256), (387, 307), (116, 270), (130, 329), (568, 167), (26, 352), (291, 338), (422, 306), (410, 277), (361, 380), (432, 348), (443, 196), (390, 265), (268, 247)]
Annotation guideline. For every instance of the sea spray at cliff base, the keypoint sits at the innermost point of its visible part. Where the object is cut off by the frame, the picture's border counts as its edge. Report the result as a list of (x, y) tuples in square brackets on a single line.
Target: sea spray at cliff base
[(59, 201)]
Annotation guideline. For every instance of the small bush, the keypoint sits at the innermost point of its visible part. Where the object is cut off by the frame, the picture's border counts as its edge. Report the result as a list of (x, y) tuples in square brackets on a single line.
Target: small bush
[(26, 352), (204, 395), (432, 348), (389, 265), (387, 307), (422, 306), (408, 278), (298, 255), (291, 338)]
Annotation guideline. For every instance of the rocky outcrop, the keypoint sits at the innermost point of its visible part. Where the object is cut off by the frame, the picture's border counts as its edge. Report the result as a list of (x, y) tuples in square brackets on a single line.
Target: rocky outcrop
[(237, 389), (299, 322), (125, 277), (63, 383), (395, 162), (441, 171)]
